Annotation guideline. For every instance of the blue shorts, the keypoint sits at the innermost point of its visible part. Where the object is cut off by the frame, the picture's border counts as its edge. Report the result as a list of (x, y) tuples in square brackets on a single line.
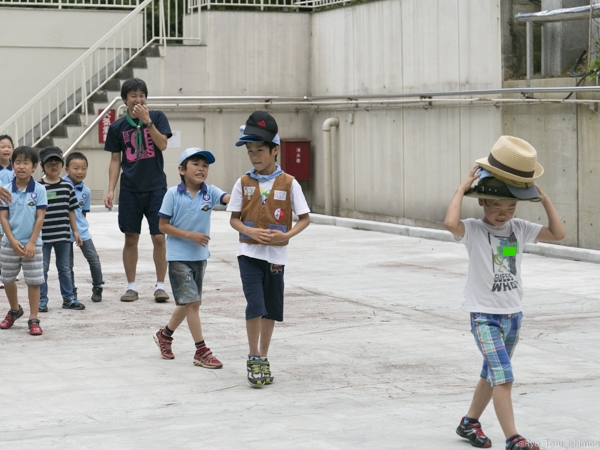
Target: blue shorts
[(186, 281), (33, 269), (496, 336), (133, 206), (263, 288)]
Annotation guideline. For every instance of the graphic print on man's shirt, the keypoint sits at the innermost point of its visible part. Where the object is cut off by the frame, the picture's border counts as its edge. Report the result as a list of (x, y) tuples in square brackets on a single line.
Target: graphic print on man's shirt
[(504, 267), (129, 140)]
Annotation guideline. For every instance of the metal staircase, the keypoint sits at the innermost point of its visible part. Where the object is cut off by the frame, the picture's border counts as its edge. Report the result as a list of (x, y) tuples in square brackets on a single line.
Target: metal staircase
[(151, 22)]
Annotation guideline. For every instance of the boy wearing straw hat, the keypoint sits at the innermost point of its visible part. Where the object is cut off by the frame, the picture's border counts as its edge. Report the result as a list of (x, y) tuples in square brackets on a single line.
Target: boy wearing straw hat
[(493, 292)]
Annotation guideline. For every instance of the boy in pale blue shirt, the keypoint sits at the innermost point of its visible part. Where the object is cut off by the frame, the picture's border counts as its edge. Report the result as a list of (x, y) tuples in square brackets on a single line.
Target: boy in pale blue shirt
[(6, 171), (185, 218), (22, 222), (6, 150), (76, 167)]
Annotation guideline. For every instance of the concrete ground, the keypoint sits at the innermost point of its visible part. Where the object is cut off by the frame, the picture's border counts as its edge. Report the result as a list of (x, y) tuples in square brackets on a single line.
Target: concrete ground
[(374, 353)]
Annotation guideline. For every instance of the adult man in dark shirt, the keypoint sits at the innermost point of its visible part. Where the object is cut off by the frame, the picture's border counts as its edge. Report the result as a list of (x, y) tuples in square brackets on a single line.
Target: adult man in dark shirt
[(136, 142)]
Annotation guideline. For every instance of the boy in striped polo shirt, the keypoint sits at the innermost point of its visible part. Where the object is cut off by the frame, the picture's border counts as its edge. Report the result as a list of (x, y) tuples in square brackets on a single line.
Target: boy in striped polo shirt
[(56, 233)]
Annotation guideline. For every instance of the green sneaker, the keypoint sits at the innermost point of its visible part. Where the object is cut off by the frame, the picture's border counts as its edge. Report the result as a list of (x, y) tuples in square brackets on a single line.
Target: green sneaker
[(255, 376), (266, 371)]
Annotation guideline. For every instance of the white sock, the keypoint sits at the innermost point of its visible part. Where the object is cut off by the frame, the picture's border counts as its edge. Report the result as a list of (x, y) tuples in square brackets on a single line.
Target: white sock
[(132, 286), (160, 285)]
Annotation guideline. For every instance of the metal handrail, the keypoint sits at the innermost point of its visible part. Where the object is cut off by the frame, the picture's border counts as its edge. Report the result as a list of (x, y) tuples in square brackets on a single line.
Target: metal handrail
[(59, 4), (93, 124), (548, 16), (423, 98), (70, 90), (558, 15), (309, 5)]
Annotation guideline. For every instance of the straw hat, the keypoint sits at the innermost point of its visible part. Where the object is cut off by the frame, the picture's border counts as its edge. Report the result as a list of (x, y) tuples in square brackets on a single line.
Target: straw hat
[(513, 160)]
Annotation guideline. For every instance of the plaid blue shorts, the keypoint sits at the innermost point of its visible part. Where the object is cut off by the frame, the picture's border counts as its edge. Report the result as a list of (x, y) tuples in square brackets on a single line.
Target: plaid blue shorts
[(496, 336)]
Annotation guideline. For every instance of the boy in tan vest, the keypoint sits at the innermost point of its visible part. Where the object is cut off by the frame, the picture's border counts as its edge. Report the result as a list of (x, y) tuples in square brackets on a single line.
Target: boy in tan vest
[(261, 206)]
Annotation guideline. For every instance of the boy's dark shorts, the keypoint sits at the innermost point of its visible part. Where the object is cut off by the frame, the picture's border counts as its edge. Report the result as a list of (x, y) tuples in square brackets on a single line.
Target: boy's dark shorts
[(263, 288), (133, 206)]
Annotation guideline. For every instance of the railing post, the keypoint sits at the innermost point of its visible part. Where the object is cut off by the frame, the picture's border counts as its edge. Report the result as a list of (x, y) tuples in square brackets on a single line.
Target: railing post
[(161, 26), (199, 22), (529, 42), (83, 94)]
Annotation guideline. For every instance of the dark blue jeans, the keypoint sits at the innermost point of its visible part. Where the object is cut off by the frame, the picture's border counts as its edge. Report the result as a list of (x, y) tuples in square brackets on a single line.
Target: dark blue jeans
[(89, 252), (62, 250)]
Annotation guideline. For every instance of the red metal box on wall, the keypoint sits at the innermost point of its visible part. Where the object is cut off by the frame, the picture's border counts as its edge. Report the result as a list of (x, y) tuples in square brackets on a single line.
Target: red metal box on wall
[(295, 158)]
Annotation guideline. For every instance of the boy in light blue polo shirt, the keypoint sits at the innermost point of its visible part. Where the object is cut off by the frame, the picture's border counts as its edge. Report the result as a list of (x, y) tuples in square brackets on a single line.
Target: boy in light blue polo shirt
[(6, 171), (22, 222), (185, 218), (76, 166)]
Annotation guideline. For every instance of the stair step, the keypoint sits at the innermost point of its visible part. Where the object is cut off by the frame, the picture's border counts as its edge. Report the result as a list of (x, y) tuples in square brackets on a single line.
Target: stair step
[(73, 119), (139, 62), (152, 51), (124, 73), (60, 131), (113, 85), (99, 96), (46, 142)]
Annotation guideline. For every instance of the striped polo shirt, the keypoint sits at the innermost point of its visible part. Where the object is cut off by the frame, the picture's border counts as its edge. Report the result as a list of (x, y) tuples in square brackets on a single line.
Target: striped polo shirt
[(61, 199)]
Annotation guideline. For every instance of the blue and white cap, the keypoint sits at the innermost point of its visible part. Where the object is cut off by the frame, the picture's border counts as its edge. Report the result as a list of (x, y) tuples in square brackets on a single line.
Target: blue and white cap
[(189, 152)]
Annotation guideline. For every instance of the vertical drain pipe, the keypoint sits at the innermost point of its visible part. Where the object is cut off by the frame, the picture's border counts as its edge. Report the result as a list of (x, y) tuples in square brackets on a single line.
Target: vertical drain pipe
[(327, 164)]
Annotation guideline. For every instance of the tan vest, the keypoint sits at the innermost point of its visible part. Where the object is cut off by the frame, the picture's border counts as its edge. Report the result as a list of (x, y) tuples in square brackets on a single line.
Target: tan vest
[(276, 213)]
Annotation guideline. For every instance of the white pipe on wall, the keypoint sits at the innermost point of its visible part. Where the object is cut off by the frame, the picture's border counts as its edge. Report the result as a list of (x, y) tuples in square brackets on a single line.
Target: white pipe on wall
[(327, 163)]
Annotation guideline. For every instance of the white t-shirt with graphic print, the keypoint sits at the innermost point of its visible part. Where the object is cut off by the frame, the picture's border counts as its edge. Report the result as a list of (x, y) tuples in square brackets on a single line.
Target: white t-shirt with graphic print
[(493, 280), (271, 253)]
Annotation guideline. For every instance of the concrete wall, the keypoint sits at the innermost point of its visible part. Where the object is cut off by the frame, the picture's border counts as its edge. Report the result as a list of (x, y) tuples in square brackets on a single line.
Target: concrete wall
[(391, 163), (402, 165), (36, 45)]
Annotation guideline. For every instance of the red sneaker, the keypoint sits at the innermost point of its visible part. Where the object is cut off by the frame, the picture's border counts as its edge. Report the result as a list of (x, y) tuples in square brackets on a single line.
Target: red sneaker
[(520, 443), (34, 327), (207, 360), (164, 344), (473, 432), (10, 318)]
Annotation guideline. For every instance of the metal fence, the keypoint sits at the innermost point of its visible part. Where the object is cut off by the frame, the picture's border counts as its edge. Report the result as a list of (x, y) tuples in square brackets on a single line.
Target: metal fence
[(310, 5), (152, 21), (99, 4)]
